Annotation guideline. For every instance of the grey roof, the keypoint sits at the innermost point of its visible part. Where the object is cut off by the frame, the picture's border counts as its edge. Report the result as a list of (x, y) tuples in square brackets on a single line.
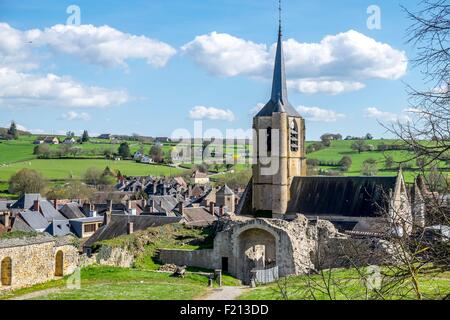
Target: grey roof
[(49, 212), (340, 196), (27, 201), (34, 219), (279, 99), (88, 219), (20, 225), (59, 228), (118, 226), (164, 204), (25, 241), (4, 204), (72, 211), (198, 217), (225, 190)]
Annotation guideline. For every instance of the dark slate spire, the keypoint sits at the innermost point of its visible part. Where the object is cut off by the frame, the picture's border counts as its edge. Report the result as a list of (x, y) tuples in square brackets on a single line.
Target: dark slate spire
[(279, 99)]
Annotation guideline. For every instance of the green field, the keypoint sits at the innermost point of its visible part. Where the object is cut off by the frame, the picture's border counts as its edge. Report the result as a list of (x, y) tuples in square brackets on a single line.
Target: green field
[(66, 169)]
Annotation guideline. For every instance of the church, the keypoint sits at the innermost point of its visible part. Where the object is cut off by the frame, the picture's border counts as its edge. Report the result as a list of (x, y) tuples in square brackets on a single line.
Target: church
[(281, 189), (288, 223)]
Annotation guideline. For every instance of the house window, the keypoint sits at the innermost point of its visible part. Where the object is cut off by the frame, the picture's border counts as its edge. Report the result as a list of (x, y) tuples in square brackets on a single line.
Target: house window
[(6, 271), (90, 228), (294, 141)]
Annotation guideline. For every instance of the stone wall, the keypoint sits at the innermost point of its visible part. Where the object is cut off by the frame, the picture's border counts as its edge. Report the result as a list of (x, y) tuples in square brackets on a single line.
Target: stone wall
[(33, 260), (194, 258)]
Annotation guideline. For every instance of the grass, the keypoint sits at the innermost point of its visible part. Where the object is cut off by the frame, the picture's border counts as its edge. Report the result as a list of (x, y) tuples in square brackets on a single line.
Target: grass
[(17, 235), (111, 283), (67, 169), (348, 285)]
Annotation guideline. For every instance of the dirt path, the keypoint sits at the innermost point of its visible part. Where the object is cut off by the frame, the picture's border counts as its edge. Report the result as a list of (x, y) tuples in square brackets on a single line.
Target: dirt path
[(225, 293), (36, 294)]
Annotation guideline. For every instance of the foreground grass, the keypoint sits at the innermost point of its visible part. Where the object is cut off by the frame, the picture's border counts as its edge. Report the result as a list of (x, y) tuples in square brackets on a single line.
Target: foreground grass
[(346, 284), (110, 283)]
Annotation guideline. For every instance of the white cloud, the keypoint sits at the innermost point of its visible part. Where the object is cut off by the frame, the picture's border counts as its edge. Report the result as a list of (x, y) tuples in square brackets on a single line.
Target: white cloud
[(103, 45), (336, 64), (201, 113), (21, 89), (325, 86), (73, 115), (319, 115), (385, 116), (225, 55)]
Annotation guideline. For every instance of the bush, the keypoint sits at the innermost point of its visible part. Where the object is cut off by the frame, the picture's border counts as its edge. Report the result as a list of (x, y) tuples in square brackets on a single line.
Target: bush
[(369, 168), (345, 163)]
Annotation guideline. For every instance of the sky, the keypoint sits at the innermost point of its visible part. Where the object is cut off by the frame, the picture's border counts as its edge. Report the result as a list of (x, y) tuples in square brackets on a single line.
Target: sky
[(155, 67)]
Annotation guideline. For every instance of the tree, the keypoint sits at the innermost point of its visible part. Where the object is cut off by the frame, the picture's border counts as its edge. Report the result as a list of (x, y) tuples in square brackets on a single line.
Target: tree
[(12, 131), (26, 181), (93, 176), (124, 150), (42, 150), (360, 146), (85, 136), (369, 136), (389, 162), (345, 163), (369, 168), (156, 153)]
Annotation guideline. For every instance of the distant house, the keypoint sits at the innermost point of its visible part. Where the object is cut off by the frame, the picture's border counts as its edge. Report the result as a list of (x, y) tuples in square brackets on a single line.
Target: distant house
[(105, 136), (69, 141), (138, 156), (162, 139), (47, 140), (200, 178), (146, 159)]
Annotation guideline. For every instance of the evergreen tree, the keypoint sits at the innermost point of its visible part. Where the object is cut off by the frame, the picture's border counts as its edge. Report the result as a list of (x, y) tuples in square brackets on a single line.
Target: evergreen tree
[(124, 150), (12, 131), (85, 137)]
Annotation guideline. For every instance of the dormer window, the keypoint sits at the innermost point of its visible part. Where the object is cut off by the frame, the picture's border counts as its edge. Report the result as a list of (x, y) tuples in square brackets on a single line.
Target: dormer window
[(293, 134)]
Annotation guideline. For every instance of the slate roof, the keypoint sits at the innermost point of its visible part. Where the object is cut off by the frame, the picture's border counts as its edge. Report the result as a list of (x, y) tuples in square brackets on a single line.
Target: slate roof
[(72, 211), (34, 219), (20, 225), (49, 212), (340, 196), (225, 190), (164, 204), (279, 99), (118, 226), (198, 217), (59, 228), (27, 201)]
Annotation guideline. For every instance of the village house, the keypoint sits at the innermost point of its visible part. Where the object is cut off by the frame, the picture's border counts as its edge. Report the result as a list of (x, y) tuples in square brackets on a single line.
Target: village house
[(47, 140), (200, 178)]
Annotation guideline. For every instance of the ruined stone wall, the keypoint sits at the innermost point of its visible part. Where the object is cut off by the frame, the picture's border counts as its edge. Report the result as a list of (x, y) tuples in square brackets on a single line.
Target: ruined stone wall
[(194, 258)]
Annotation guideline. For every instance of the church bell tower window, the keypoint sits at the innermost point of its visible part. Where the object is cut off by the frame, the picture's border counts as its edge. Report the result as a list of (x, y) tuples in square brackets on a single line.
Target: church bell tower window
[(269, 140), (294, 142)]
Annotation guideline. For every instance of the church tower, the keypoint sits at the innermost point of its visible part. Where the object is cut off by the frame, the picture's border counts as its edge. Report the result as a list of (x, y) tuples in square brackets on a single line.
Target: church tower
[(279, 146)]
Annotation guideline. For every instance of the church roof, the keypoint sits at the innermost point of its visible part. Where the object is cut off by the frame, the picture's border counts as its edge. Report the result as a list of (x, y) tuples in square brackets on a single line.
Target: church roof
[(341, 196), (279, 99)]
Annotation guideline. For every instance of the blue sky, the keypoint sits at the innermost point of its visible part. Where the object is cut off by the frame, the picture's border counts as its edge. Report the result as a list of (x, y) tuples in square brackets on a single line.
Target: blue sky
[(159, 66)]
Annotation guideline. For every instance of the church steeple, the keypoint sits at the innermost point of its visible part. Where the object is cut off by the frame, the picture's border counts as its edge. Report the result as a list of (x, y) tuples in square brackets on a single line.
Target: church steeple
[(279, 98)]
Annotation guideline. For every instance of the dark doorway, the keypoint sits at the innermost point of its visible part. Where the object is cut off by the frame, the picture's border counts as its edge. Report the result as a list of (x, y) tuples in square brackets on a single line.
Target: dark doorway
[(224, 264)]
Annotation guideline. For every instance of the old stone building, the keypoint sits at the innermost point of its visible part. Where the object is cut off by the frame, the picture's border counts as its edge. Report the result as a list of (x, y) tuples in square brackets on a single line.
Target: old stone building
[(28, 261)]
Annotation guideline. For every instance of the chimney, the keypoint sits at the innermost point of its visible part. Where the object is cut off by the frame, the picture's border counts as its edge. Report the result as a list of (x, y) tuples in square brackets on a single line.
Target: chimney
[(143, 204), (130, 227), (181, 208), (7, 220), (55, 204), (129, 205), (107, 218), (36, 206), (151, 205), (211, 207), (222, 211)]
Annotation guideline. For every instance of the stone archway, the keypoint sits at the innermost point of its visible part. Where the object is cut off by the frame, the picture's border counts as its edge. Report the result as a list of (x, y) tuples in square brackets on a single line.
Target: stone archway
[(59, 264), (6, 271), (257, 250)]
